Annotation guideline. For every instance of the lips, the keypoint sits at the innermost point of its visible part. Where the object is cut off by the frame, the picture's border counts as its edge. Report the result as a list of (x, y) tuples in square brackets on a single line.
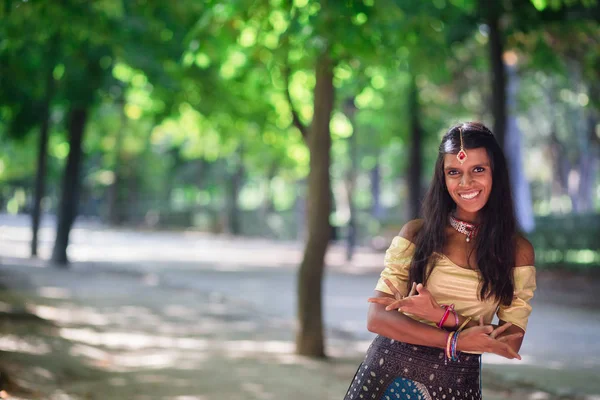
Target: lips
[(469, 195)]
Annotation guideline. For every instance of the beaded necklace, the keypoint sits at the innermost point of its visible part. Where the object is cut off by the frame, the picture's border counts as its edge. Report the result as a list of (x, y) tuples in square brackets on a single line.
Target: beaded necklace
[(466, 228)]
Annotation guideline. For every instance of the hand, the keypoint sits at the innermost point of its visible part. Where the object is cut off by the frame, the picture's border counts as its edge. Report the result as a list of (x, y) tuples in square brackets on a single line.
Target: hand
[(386, 301), (422, 305), (482, 338)]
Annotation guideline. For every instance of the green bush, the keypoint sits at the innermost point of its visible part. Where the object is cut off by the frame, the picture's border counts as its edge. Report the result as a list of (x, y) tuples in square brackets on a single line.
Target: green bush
[(567, 241)]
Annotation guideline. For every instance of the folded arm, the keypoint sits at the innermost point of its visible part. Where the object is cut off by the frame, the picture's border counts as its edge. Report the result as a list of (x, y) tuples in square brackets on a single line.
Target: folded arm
[(397, 326)]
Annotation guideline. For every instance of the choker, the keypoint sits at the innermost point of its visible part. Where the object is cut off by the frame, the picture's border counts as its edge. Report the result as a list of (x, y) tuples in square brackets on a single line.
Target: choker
[(466, 228)]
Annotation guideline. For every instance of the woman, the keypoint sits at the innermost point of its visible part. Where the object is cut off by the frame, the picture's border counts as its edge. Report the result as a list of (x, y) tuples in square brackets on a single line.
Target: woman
[(445, 278)]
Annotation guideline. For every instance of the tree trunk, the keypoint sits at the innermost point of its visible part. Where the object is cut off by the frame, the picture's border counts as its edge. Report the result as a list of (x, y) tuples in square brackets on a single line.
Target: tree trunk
[(267, 206), (498, 75), (236, 179), (415, 166), (561, 163), (310, 338), (115, 209), (513, 145), (42, 156), (350, 111), (300, 210), (42, 161), (377, 211), (589, 168), (70, 186), (589, 174)]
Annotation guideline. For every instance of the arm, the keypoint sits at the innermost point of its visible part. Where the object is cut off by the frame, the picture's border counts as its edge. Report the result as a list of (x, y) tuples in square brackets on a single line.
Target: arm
[(423, 306), (402, 328), (512, 336), (399, 327), (525, 256)]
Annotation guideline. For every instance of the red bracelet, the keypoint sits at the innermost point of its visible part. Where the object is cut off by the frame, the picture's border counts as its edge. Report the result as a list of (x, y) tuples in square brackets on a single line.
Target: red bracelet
[(448, 309), (456, 320)]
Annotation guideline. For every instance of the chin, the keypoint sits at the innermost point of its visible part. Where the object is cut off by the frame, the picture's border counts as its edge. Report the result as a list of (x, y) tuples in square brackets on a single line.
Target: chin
[(470, 208)]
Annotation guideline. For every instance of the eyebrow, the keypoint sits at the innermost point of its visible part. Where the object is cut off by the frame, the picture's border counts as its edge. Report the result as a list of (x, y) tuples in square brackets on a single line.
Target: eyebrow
[(474, 166)]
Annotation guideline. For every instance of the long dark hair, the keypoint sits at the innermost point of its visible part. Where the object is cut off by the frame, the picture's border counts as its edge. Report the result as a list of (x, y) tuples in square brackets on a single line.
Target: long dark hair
[(495, 242)]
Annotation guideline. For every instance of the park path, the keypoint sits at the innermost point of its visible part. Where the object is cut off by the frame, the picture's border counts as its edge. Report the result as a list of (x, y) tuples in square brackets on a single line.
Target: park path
[(189, 316)]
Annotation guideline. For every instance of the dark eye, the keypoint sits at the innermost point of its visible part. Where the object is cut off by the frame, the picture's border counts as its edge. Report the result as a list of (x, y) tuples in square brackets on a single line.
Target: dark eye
[(479, 169), (453, 172)]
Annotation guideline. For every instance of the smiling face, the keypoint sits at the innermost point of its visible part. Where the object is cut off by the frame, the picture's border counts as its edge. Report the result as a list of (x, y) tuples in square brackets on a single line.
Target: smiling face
[(469, 184)]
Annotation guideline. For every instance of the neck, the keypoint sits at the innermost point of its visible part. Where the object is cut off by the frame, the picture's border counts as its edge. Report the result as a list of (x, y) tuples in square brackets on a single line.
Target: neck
[(472, 218)]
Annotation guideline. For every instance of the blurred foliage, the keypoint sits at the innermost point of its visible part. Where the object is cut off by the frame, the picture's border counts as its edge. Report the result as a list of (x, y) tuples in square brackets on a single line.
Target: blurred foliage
[(189, 103), (570, 241)]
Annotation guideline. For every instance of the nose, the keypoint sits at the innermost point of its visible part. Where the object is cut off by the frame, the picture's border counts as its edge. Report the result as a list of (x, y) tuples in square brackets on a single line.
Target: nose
[(466, 179)]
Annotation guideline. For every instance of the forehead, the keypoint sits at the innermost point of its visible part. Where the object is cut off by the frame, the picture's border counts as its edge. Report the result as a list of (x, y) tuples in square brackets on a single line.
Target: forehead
[(478, 156)]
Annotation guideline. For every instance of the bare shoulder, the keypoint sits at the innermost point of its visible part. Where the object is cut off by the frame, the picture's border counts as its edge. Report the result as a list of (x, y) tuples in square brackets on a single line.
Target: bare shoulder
[(525, 254), (410, 229)]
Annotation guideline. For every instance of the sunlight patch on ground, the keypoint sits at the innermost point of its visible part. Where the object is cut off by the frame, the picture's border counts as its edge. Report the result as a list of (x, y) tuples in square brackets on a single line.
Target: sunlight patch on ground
[(86, 316), (97, 243), (130, 341), (172, 360), (239, 348), (179, 311), (139, 341), (155, 361), (256, 390), (5, 307), (93, 353), (54, 292), (351, 347), (498, 360), (16, 344), (534, 361)]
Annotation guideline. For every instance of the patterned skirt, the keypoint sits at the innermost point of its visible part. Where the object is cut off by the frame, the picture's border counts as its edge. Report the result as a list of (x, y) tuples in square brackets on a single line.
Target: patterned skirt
[(395, 370)]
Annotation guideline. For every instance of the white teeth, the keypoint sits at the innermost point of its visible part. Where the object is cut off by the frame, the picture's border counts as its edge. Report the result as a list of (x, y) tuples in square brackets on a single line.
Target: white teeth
[(469, 196)]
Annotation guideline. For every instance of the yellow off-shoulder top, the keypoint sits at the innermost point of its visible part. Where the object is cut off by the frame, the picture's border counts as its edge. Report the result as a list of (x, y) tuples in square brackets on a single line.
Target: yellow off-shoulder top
[(452, 284)]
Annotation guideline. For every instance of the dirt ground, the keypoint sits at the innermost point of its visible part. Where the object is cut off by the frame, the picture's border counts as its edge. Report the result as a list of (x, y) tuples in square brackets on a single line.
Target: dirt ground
[(109, 329)]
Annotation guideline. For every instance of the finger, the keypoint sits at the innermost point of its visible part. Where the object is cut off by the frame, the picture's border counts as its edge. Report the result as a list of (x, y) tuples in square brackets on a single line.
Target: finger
[(393, 288), (512, 353), (422, 289), (508, 338), (481, 320), (499, 330), (487, 329), (381, 300), (396, 304), (413, 289)]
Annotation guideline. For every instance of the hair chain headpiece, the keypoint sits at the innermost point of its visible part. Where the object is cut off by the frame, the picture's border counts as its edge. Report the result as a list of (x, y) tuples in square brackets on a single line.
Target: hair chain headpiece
[(462, 154)]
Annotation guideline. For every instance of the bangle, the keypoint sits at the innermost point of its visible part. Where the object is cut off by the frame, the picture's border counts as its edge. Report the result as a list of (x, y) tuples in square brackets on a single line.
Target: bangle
[(464, 324), (448, 345), (456, 320), (445, 316), (453, 346)]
